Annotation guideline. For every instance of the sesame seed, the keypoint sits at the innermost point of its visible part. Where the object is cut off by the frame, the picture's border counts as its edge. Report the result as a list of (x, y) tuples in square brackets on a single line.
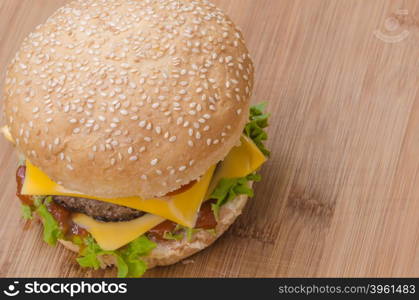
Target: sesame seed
[(172, 139), (154, 162), (130, 150), (182, 168), (133, 158)]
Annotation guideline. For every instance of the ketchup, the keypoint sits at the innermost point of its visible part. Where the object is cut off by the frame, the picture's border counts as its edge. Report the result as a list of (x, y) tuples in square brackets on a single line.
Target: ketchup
[(206, 220), (60, 214), (182, 189), (157, 233), (20, 178), (76, 230), (63, 217)]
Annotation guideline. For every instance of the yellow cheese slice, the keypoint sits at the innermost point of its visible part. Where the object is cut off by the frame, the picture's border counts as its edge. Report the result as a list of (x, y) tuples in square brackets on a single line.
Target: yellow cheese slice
[(181, 208), (240, 162), (114, 235), (5, 130)]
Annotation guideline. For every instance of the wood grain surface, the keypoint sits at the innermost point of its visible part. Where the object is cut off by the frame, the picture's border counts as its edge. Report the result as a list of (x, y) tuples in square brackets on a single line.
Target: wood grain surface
[(340, 195)]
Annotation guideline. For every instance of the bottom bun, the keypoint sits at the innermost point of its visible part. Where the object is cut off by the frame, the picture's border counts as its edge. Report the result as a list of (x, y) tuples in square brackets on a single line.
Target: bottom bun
[(171, 252)]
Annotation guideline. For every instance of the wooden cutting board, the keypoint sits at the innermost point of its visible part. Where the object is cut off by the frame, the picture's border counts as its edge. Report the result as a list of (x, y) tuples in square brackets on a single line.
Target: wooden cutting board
[(340, 195)]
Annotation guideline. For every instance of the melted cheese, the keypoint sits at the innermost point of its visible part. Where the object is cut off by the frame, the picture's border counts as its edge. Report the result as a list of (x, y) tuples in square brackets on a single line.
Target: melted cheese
[(182, 208), (5, 130), (240, 162), (113, 235)]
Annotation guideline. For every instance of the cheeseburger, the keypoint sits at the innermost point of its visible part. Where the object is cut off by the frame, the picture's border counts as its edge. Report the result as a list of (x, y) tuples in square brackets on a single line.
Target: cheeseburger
[(132, 119)]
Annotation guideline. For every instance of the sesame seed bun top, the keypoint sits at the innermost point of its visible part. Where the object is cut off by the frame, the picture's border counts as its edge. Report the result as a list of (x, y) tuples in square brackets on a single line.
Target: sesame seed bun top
[(117, 98)]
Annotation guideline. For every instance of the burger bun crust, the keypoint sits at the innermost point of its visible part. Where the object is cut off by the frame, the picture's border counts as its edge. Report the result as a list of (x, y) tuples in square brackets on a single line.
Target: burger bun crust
[(111, 102)]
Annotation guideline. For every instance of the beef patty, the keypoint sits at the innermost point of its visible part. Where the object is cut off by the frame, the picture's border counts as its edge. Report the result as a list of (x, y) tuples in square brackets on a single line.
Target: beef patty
[(101, 211)]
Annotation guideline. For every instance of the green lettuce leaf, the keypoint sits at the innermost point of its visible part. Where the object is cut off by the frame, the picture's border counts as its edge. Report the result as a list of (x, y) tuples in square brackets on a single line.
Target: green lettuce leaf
[(38, 200), (124, 269), (229, 188), (171, 236), (255, 129), (131, 254), (52, 230), (27, 212), (128, 258), (89, 256), (190, 232)]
